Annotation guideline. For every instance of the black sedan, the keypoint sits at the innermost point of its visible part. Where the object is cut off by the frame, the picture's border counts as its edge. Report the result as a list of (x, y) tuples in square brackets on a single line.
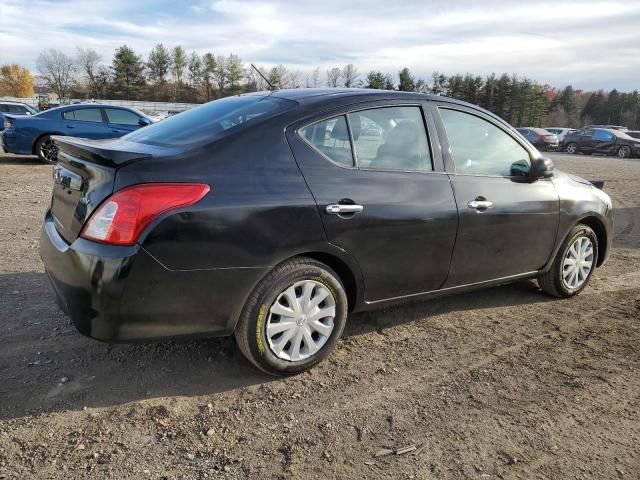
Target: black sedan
[(271, 216), (601, 141)]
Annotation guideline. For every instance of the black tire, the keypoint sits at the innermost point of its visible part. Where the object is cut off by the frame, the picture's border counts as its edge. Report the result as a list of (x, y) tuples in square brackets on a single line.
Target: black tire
[(572, 148), (624, 152), (46, 151), (250, 332), (551, 282)]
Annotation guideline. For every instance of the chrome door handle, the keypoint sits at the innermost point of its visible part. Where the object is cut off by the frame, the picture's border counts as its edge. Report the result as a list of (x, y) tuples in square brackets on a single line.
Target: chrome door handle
[(480, 205), (338, 208)]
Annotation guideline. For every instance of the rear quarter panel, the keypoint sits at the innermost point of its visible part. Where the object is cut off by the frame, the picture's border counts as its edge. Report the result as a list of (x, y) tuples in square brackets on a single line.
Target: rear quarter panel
[(259, 210)]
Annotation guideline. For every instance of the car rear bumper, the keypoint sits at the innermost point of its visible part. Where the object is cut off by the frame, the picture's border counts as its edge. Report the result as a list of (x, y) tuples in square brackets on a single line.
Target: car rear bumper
[(9, 143), (117, 294)]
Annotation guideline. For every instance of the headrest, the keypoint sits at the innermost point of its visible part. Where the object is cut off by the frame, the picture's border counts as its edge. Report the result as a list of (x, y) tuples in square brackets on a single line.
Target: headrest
[(403, 133)]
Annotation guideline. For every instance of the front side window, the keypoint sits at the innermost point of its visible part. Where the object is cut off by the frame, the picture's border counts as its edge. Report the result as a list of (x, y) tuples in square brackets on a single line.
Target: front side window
[(84, 115), (480, 148), (331, 138), (122, 117), (390, 138)]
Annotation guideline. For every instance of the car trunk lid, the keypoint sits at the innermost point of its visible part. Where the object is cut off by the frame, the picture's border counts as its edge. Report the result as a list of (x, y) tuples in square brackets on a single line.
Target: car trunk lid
[(84, 176)]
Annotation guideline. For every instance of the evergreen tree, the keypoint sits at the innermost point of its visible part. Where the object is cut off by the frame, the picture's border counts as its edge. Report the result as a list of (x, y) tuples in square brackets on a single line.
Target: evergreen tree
[(128, 73), (406, 83), (158, 64), (178, 64), (208, 70)]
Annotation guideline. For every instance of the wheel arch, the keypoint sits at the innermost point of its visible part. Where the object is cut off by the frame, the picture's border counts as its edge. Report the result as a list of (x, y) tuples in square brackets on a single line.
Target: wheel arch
[(345, 273), (599, 229), (37, 139)]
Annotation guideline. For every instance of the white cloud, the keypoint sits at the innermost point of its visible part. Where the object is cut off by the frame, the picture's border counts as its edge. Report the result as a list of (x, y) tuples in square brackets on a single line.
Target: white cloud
[(590, 44)]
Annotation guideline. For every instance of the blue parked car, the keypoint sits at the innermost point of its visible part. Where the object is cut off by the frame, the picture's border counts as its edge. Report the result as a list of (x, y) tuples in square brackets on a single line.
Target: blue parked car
[(17, 108), (31, 134)]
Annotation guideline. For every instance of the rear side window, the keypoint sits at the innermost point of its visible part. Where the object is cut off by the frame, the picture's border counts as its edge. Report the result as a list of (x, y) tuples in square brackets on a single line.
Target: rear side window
[(602, 135), (331, 138), (211, 121), (480, 148), (84, 115), (390, 138), (4, 108), (122, 117)]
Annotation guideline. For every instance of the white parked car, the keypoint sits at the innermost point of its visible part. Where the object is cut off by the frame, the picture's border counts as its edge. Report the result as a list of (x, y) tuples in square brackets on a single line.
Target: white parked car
[(560, 132)]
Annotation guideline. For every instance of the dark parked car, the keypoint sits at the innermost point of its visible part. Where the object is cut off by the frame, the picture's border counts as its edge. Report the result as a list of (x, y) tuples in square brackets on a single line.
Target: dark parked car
[(269, 216), (540, 138), (15, 108), (633, 133), (32, 134), (602, 141)]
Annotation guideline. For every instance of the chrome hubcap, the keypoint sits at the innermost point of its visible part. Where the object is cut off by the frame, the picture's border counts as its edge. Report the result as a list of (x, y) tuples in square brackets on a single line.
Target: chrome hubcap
[(571, 148), (300, 320), (578, 263), (623, 152)]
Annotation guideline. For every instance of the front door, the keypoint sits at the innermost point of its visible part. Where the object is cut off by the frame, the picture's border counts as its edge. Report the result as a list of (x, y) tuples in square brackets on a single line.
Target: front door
[(372, 174), (122, 121), (508, 223)]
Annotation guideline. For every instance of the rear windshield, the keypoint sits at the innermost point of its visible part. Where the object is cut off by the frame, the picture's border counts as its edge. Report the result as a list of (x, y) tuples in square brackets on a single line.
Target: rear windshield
[(211, 121)]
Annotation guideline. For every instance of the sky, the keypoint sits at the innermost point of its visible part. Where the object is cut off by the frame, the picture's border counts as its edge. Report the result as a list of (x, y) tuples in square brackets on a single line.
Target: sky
[(590, 44)]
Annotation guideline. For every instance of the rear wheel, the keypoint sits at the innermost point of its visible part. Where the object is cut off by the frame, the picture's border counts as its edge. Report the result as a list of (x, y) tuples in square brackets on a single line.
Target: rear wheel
[(293, 318), (573, 265), (624, 151), (46, 150), (572, 148)]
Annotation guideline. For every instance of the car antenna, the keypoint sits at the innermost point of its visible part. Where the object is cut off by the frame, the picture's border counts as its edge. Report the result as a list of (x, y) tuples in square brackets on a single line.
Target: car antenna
[(263, 77)]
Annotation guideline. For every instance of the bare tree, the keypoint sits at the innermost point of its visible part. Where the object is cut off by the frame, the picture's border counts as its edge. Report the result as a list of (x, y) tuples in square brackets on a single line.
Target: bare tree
[(88, 62), (57, 69), (255, 82), (220, 74), (333, 77), (349, 75), (315, 78)]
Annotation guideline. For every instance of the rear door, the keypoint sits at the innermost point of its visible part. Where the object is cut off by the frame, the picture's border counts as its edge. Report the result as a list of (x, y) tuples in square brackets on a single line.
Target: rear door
[(85, 123), (508, 223), (603, 141), (381, 194), (122, 121)]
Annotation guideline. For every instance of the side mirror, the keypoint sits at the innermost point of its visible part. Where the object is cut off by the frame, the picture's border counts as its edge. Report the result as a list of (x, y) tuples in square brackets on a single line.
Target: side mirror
[(541, 167), (143, 122)]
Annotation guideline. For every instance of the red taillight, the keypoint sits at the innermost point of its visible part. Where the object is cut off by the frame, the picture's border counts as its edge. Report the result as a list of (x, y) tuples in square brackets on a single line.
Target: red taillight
[(541, 138), (123, 217)]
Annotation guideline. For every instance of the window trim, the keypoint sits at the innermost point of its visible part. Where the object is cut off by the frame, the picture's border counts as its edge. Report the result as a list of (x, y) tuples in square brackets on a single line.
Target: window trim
[(360, 108), (302, 137), (481, 116)]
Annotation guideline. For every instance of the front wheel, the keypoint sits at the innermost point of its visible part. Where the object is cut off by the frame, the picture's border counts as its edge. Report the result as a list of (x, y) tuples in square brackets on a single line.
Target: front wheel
[(574, 263), (624, 151), (572, 148), (293, 318), (46, 149)]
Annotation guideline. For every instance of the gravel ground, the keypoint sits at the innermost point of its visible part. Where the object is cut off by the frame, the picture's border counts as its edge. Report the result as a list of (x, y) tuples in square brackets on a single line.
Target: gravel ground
[(501, 383)]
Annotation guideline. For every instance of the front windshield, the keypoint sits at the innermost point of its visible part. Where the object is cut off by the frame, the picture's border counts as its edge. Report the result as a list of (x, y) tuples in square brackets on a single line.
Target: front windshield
[(210, 121)]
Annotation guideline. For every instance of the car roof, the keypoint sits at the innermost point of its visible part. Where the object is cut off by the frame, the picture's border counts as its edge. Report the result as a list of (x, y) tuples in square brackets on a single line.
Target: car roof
[(10, 102), (316, 97)]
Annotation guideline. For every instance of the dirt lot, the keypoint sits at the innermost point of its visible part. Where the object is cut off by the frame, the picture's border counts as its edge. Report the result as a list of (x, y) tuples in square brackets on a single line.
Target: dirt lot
[(503, 383)]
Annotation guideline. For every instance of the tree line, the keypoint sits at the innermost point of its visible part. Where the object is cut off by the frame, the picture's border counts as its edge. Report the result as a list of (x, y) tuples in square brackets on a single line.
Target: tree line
[(173, 74)]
